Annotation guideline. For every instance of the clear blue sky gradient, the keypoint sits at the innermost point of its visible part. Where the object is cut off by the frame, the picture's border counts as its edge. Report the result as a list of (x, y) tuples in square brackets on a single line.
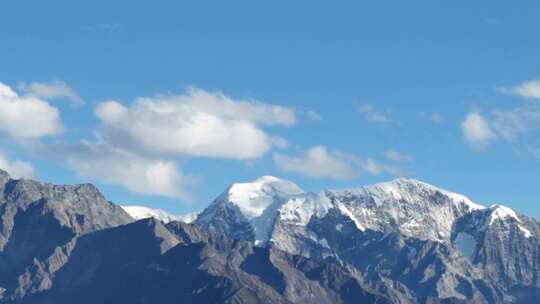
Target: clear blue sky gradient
[(409, 59)]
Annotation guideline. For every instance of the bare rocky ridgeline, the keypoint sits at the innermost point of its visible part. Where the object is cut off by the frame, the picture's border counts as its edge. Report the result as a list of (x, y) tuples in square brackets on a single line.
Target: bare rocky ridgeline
[(266, 242)]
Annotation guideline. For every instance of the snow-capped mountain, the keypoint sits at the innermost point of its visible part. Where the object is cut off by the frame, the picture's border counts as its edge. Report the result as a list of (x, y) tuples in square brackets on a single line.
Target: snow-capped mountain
[(400, 229), (141, 212), (413, 208), (267, 241), (250, 206)]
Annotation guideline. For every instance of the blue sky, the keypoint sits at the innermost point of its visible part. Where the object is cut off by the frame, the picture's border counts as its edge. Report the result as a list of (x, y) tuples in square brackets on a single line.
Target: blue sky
[(327, 95)]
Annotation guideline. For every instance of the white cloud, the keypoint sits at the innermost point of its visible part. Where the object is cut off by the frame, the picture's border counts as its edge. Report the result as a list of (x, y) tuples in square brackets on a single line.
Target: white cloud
[(511, 123), (371, 115), (217, 104), (318, 162), (480, 129), (27, 116), (312, 115), (505, 124), (477, 131), (198, 123), (17, 168), (396, 156), (113, 165), (52, 90), (527, 89), (138, 146), (279, 142)]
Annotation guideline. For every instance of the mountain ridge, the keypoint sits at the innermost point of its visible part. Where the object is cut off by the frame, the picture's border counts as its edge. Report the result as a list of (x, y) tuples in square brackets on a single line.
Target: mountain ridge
[(300, 206), (402, 241)]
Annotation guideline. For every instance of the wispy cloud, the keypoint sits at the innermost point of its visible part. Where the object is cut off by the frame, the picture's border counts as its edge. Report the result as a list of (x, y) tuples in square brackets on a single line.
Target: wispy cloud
[(370, 114), (527, 89), (396, 156), (319, 162), (51, 90), (436, 118), (16, 168), (481, 128), (312, 115)]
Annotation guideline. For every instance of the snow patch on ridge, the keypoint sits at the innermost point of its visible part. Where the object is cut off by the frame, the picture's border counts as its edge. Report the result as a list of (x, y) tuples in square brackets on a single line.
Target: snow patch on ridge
[(499, 212), (502, 213), (141, 212)]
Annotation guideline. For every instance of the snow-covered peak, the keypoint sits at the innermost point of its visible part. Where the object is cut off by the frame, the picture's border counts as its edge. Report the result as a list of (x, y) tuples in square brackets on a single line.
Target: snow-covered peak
[(141, 212), (255, 197), (499, 212), (248, 210)]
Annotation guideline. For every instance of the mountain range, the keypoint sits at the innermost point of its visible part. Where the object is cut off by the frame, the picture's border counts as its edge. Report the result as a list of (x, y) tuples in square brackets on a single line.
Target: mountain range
[(265, 241)]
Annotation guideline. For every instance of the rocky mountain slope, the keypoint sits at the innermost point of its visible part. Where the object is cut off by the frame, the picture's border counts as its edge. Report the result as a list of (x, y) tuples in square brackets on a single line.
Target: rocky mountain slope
[(179, 263), (266, 241), (38, 218)]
